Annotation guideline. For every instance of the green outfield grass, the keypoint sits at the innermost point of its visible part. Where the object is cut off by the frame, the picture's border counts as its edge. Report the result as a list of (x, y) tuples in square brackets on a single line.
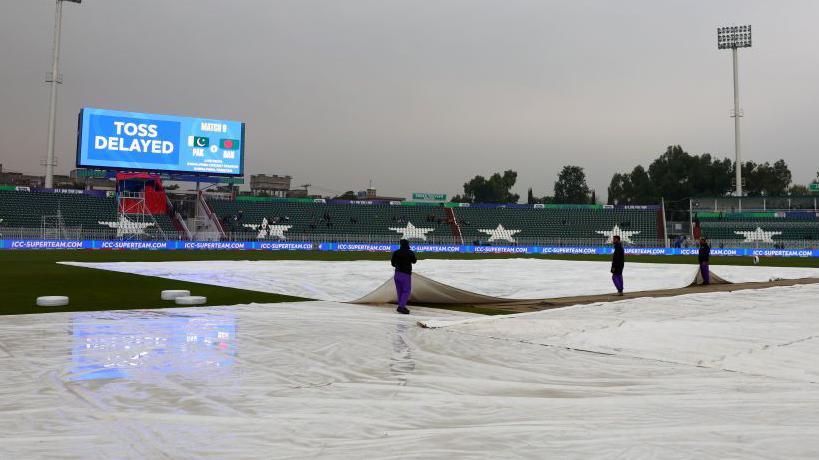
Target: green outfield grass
[(26, 275)]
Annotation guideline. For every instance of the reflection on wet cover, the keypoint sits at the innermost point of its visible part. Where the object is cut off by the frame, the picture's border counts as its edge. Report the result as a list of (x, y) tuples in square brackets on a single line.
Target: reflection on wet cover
[(401, 362), (134, 344)]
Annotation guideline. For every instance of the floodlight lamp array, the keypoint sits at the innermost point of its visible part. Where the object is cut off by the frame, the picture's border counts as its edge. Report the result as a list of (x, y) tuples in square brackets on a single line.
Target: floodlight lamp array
[(734, 37)]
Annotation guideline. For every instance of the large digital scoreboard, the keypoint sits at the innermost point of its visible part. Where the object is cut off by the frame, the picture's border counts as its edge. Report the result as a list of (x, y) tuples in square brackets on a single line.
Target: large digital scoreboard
[(131, 141)]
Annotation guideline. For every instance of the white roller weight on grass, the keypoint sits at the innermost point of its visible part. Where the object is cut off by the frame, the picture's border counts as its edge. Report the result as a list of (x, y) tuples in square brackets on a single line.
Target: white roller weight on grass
[(170, 294), (52, 301), (191, 300)]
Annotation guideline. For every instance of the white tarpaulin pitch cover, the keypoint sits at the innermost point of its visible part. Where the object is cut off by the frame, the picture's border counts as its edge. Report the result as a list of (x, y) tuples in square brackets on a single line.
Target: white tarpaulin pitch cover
[(720, 375), (475, 281), (711, 375)]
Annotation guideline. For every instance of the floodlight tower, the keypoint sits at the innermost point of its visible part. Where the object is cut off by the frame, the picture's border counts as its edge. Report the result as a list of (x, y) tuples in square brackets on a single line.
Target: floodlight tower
[(54, 78), (734, 37)]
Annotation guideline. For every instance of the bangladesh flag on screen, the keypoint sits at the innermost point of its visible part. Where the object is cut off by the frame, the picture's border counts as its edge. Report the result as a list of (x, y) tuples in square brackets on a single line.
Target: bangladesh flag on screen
[(229, 144)]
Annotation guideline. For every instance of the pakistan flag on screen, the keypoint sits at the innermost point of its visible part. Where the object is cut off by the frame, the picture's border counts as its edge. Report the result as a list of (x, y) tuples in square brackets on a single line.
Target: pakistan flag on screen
[(198, 141)]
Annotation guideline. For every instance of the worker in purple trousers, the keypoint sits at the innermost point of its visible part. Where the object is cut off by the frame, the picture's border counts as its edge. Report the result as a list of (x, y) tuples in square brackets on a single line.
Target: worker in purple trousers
[(704, 257), (617, 263), (402, 260)]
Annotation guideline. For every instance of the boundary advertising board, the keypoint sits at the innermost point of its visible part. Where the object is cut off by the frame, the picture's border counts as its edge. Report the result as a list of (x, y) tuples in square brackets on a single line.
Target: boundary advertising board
[(9, 244)]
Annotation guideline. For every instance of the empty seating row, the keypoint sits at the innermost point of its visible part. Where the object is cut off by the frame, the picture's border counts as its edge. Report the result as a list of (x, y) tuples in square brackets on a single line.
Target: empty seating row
[(761, 230), (341, 220), (77, 211), (557, 223), (29, 209), (296, 219)]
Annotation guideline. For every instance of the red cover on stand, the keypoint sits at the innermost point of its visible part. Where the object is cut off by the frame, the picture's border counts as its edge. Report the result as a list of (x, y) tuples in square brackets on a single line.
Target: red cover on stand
[(156, 201)]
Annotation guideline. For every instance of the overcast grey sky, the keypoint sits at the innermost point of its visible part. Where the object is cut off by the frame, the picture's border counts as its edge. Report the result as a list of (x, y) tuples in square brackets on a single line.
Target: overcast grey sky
[(422, 95)]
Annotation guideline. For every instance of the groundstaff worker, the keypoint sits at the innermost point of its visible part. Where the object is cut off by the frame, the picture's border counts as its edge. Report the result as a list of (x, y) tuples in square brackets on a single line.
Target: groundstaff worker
[(402, 260), (704, 257), (618, 260)]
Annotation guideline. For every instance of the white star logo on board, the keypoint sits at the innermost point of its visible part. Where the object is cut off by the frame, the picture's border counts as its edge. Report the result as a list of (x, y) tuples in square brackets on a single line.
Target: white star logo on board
[(266, 230), (262, 231), (278, 230), (411, 232), (625, 235), (758, 235), (126, 226), (500, 234)]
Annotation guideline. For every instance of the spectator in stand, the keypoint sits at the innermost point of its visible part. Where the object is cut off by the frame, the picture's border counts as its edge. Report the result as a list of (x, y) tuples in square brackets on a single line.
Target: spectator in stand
[(704, 258), (696, 230)]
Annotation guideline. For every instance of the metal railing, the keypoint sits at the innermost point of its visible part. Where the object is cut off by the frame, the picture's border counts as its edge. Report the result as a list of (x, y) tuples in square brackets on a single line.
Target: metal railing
[(431, 239), (75, 233)]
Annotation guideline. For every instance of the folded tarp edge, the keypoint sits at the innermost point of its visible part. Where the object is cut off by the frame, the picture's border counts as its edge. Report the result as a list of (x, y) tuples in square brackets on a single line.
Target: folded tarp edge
[(428, 291)]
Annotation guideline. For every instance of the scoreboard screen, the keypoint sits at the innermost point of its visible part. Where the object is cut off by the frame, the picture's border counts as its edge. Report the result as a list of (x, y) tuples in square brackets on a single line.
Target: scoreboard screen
[(131, 141)]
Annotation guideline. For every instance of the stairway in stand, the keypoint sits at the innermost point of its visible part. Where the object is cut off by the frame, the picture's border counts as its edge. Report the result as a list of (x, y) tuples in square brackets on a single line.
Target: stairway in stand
[(453, 224)]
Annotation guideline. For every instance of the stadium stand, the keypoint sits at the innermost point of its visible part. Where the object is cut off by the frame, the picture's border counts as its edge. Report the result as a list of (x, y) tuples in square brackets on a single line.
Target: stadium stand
[(755, 203), (791, 221), (305, 218), (485, 224), (27, 209), (88, 215), (73, 214), (760, 226), (558, 223)]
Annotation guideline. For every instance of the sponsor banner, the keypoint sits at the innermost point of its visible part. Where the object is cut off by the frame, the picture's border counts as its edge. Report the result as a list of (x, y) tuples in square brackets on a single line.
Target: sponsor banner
[(502, 249), (645, 251), (97, 193), (365, 247), (46, 244), (284, 246), (784, 252), (418, 196), (638, 207), (69, 191), (714, 252), (573, 250), (500, 205), (387, 247), (218, 245), (438, 248), (725, 252), (134, 244)]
